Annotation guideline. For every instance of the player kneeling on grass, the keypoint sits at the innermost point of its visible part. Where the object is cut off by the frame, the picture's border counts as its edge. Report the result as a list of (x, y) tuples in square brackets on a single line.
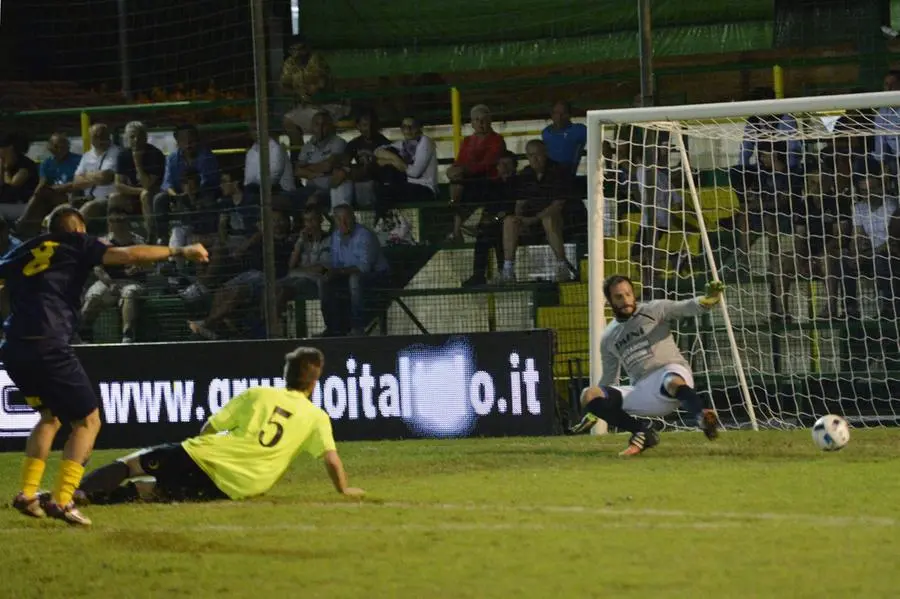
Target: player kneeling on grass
[(639, 340), (241, 451)]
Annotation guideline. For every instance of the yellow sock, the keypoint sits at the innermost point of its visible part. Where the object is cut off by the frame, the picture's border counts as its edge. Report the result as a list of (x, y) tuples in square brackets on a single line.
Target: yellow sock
[(32, 472), (69, 478)]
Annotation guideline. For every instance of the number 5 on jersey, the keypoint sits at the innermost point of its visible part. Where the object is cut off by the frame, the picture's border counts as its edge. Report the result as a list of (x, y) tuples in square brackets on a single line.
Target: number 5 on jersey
[(41, 260), (277, 425)]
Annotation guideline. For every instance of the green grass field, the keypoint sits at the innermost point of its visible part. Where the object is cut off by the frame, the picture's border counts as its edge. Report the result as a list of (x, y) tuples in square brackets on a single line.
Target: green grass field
[(752, 515)]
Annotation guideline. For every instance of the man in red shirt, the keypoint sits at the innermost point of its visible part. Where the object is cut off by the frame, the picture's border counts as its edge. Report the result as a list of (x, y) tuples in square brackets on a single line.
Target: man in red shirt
[(475, 166)]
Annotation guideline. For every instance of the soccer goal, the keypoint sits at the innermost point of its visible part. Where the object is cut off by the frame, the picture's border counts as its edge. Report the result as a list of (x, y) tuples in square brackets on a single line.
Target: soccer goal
[(794, 205)]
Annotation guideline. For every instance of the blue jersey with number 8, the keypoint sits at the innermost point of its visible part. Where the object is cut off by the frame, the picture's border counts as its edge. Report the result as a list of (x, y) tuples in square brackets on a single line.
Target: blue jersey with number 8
[(44, 279)]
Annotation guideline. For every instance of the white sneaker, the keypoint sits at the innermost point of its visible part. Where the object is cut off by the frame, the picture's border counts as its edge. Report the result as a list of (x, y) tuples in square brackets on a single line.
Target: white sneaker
[(563, 273), (505, 278)]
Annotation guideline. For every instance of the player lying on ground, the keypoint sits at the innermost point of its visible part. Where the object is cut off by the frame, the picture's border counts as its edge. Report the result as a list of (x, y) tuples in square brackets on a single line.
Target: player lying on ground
[(639, 340), (44, 279), (262, 431)]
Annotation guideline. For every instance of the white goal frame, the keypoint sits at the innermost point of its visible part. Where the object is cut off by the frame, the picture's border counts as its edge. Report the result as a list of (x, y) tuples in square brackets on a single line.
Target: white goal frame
[(597, 119)]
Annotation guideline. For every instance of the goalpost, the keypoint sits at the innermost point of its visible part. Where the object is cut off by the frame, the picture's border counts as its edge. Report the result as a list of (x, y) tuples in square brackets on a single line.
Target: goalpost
[(789, 203)]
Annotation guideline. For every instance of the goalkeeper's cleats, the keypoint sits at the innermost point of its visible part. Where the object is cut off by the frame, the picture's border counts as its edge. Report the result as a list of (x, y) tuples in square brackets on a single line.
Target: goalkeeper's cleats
[(29, 506), (586, 424), (709, 424), (640, 442)]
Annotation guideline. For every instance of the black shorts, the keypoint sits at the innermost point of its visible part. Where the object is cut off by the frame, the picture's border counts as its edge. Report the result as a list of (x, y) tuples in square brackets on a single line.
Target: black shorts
[(178, 477), (50, 377)]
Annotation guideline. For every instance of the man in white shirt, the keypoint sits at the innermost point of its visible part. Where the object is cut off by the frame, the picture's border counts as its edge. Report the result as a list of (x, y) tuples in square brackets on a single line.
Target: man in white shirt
[(96, 173), (317, 162), (876, 248), (416, 156), (279, 164)]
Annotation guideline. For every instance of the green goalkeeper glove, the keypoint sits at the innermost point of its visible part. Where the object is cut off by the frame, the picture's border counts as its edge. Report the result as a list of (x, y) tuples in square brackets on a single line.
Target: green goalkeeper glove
[(714, 291)]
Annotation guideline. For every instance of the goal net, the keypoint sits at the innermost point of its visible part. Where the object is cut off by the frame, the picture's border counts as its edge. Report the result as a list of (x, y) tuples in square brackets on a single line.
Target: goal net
[(794, 205)]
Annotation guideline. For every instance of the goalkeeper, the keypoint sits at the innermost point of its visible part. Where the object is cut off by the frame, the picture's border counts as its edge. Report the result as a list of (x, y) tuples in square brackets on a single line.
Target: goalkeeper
[(639, 340)]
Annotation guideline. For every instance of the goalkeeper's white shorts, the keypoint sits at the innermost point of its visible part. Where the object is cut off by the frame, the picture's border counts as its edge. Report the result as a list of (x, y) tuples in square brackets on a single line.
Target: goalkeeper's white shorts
[(647, 397)]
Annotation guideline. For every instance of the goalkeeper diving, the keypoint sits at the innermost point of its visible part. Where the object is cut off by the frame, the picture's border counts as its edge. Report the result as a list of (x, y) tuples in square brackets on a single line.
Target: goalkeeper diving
[(639, 341)]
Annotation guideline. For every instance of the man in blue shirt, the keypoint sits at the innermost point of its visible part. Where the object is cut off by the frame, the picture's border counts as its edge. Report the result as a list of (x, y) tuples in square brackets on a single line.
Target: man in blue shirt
[(357, 265), (564, 139), (190, 154), (44, 279)]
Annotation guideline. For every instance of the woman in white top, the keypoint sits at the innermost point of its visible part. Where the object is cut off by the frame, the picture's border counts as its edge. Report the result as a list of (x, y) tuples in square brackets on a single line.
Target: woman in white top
[(416, 156)]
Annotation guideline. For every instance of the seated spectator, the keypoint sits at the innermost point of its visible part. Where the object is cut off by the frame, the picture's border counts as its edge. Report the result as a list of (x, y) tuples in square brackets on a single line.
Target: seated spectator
[(20, 175), (306, 268), (415, 157), (747, 171), (489, 233), (96, 173), (139, 174), (282, 174), (564, 139), (545, 208), (875, 251), (56, 176), (886, 124), (245, 291), (120, 286), (847, 151), (359, 165), (357, 265), (474, 167), (662, 209), (238, 213), (305, 75), (317, 162), (189, 154)]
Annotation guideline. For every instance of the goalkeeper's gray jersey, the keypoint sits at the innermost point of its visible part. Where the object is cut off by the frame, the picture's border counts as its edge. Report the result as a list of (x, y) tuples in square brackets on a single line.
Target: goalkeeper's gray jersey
[(644, 342)]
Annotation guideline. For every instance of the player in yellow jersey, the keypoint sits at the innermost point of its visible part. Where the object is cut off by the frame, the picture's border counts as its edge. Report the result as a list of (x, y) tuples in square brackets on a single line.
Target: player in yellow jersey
[(241, 451)]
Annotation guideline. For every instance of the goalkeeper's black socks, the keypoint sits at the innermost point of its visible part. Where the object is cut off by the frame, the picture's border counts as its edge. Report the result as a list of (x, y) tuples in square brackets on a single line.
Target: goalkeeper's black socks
[(690, 401), (611, 411)]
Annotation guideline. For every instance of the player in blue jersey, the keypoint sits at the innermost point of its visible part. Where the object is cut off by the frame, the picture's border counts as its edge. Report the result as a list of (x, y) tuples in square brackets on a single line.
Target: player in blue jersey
[(43, 279)]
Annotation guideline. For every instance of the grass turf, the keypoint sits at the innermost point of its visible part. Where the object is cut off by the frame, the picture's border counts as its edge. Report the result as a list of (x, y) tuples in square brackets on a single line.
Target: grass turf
[(752, 515)]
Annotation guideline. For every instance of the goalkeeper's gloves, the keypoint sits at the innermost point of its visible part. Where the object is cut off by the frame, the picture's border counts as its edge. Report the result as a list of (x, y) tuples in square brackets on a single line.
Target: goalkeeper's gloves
[(714, 291)]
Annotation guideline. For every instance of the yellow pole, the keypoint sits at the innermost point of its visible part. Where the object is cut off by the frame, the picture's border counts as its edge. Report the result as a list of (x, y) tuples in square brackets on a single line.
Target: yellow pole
[(86, 131), (456, 119), (778, 81)]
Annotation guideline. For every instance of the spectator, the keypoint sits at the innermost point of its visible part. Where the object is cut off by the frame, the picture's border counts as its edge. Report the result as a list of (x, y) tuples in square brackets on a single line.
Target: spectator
[(139, 173), (56, 176), (662, 204), (120, 286), (748, 171), (359, 165), (305, 75), (317, 162), (489, 233), (306, 268), (564, 139), (545, 206), (96, 173), (238, 213), (357, 265), (416, 157), (20, 175), (282, 175), (190, 154), (876, 246), (245, 290), (474, 167), (887, 123)]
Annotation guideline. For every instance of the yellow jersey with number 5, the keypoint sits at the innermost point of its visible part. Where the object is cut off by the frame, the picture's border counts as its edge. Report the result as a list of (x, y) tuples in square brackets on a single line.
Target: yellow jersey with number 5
[(44, 278), (259, 433)]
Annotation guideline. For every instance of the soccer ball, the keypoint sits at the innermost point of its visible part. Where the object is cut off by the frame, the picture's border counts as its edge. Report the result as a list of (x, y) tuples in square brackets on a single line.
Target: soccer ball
[(831, 433)]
